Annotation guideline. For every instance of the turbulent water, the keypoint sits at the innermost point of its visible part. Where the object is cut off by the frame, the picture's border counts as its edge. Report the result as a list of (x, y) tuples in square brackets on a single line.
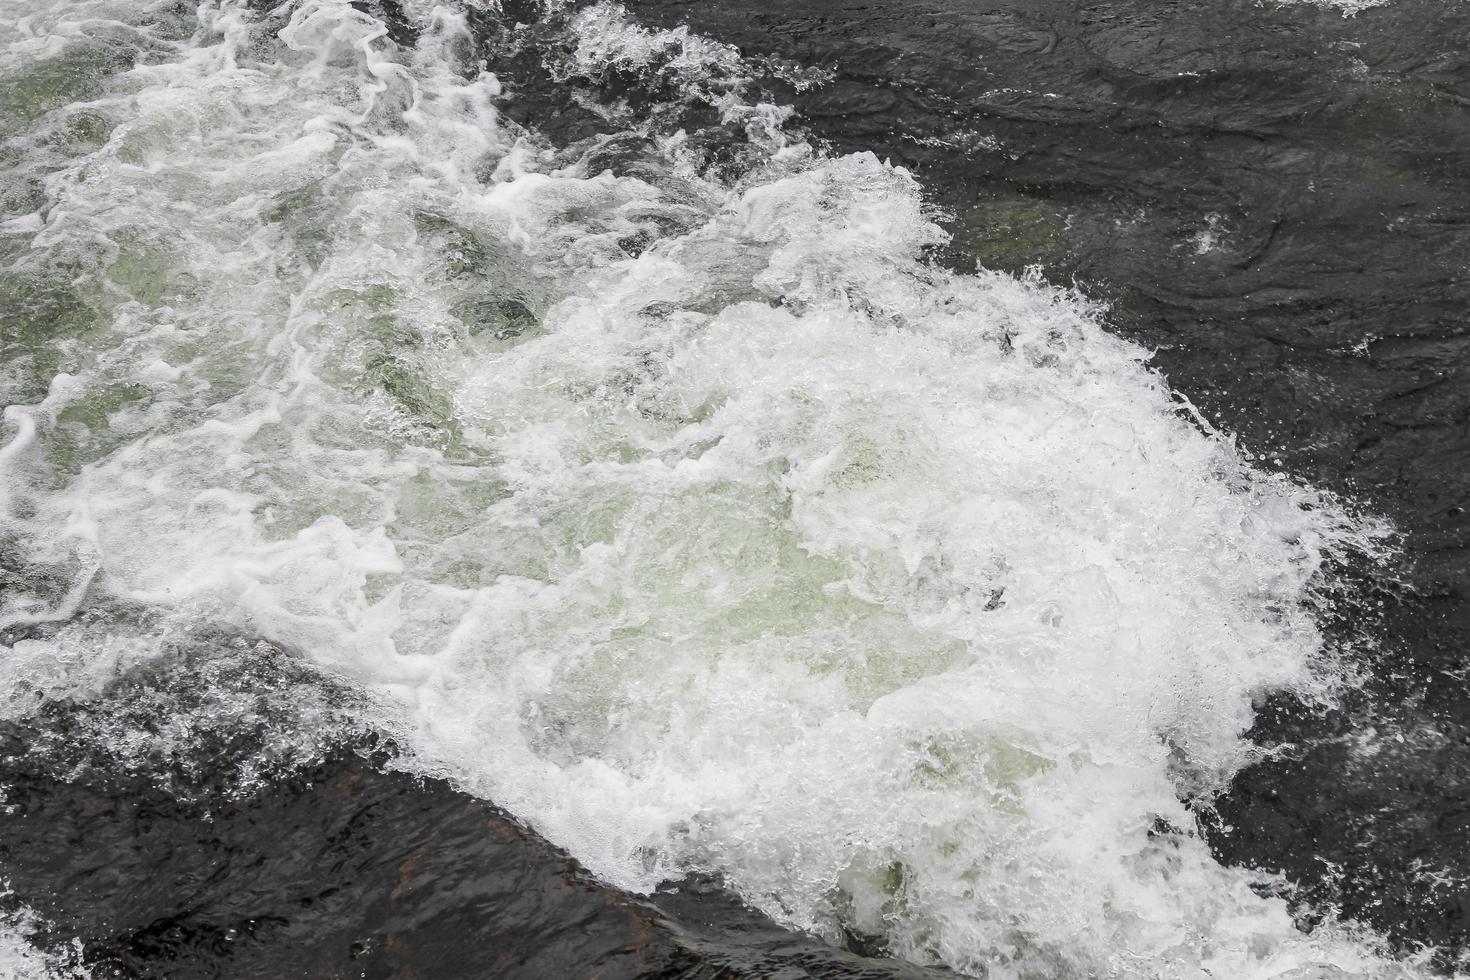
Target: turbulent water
[(652, 484)]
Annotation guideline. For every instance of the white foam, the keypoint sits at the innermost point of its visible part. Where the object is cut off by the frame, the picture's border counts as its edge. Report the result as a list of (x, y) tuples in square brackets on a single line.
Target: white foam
[(909, 603), (1349, 8), (20, 959)]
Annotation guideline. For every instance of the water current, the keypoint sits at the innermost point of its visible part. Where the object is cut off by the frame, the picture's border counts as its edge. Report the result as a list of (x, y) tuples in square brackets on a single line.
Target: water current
[(651, 482)]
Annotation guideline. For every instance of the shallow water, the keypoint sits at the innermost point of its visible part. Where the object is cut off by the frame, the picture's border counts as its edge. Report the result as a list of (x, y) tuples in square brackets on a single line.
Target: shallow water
[(535, 386)]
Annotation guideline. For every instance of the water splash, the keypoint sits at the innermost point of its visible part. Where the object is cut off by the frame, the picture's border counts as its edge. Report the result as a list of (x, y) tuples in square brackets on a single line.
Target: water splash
[(682, 508)]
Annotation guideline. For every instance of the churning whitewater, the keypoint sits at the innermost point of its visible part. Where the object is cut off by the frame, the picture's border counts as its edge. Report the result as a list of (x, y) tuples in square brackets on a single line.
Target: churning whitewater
[(665, 496)]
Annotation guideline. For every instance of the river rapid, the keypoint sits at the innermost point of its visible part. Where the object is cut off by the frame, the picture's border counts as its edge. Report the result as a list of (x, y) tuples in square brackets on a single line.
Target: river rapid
[(537, 390)]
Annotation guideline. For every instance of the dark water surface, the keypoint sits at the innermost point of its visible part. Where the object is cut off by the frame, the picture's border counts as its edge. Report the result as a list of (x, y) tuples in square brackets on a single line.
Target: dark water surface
[(1274, 198)]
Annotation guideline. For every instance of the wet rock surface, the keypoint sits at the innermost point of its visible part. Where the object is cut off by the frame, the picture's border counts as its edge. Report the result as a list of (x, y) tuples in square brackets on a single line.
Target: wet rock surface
[(1275, 198)]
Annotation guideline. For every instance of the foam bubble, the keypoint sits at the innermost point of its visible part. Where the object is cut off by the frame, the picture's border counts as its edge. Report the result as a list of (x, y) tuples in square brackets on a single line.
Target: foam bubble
[(20, 959), (1349, 8)]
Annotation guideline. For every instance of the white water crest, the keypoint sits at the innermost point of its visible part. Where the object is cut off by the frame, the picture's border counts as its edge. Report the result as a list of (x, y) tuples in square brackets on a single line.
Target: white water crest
[(20, 959), (699, 521), (1348, 8)]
